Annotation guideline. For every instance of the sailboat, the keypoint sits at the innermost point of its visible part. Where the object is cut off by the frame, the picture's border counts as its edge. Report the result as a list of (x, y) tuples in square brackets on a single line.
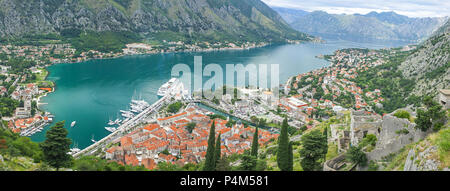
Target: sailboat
[(110, 122)]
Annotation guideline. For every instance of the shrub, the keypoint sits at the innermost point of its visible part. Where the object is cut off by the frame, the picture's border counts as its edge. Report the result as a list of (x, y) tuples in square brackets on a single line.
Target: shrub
[(402, 114), (356, 156)]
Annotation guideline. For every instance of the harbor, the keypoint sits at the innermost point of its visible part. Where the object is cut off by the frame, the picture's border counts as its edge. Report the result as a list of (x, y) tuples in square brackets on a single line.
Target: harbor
[(133, 119), (92, 98)]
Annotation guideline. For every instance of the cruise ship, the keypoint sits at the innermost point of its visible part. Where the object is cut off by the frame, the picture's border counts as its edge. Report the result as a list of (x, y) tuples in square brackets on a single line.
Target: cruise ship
[(165, 87)]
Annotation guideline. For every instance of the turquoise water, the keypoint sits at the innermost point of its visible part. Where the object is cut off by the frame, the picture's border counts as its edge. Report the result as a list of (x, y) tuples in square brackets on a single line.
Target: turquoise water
[(93, 92)]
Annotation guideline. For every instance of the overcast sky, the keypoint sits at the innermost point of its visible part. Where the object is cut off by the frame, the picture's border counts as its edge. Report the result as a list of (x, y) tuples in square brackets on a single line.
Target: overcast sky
[(411, 8)]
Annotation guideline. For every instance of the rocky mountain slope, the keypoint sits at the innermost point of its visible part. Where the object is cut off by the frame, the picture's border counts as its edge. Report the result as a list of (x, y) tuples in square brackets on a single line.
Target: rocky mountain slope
[(290, 15), (372, 26), (429, 65), (205, 19)]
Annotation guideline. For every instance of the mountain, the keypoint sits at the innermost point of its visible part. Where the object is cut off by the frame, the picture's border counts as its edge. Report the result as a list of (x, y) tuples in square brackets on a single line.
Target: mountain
[(290, 15), (429, 65), (372, 26), (208, 20), (389, 17)]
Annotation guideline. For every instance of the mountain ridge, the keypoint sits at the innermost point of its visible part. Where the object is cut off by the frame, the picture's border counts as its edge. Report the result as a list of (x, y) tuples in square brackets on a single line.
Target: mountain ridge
[(373, 25), (249, 21)]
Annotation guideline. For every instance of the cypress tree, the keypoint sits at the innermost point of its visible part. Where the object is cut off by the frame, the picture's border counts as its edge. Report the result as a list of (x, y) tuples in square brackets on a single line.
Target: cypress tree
[(218, 149), (283, 147), (291, 158), (255, 145), (56, 146), (210, 152), (325, 134)]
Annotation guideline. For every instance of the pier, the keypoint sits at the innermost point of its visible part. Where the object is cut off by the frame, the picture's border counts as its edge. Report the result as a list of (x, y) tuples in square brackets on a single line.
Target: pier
[(124, 128)]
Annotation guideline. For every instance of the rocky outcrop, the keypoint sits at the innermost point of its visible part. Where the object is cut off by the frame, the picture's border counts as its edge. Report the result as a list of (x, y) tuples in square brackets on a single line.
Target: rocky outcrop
[(422, 161)]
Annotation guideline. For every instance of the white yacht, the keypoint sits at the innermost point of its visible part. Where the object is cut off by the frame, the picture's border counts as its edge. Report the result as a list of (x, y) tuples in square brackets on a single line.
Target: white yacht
[(110, 129), (92, 139), (73, 123), (165, 87)]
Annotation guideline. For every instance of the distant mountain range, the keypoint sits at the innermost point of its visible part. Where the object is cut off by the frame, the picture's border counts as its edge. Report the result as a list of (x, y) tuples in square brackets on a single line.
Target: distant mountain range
[(371, 26), (249, 20)]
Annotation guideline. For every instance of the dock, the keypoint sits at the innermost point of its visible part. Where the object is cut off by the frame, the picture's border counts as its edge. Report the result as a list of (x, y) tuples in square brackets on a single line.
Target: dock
[(129, 125), (125, 127)]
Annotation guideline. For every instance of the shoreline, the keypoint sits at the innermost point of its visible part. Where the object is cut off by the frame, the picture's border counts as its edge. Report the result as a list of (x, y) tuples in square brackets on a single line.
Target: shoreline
[(188, 51), (38, 99), (40, 104)]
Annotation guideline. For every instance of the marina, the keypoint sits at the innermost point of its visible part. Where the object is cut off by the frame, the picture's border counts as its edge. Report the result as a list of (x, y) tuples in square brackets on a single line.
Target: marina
[(96, 97), (129, 123)]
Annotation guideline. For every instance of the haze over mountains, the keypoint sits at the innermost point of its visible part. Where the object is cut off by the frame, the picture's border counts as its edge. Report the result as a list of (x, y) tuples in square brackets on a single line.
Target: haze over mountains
[(371, 26), (188, 19)]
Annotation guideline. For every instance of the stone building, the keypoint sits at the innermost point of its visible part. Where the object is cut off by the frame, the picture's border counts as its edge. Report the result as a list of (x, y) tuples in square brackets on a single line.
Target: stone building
[(444, 98), (395, 134), (363, 124)]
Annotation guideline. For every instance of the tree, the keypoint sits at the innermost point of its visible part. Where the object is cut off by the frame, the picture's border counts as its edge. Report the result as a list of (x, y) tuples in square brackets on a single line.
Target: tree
[(291, 158), (175, 107), (56, 146), (283, 147), (325, 134), (248, 163), (218, 149), (436, 113), (261, 165), (423, 120), (315, 146), (255, 144), (223, 164), (210, 151), (433, 116), (355, 155), (190, 126)]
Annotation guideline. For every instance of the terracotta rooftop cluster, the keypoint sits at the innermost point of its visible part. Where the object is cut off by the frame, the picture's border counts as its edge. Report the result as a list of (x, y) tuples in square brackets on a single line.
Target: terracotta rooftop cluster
[(168, 140)]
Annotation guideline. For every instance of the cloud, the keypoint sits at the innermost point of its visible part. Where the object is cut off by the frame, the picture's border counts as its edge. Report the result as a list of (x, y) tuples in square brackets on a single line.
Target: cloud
[(411, 8)]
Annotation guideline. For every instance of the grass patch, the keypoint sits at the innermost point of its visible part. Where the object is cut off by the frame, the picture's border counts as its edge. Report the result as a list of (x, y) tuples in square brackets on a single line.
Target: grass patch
[(397, 161), (332, 151), (443, 143)]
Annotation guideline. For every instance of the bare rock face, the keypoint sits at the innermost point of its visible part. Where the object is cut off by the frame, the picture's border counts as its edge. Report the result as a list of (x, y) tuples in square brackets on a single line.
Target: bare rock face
[(233, 18), (422, 161)]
